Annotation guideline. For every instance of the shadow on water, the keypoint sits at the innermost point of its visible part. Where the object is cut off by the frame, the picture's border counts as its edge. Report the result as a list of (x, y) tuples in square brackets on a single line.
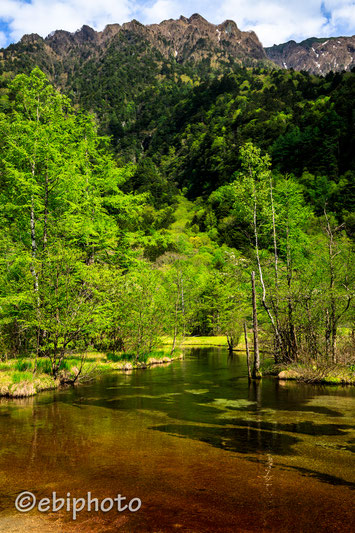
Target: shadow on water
[(324, 478), (241, 440), (303, 428), (208, 398)]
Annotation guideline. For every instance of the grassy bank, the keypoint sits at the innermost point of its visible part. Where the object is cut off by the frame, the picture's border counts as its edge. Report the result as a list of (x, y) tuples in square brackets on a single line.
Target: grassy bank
[(217, 340), (18, 380), (310, 372)]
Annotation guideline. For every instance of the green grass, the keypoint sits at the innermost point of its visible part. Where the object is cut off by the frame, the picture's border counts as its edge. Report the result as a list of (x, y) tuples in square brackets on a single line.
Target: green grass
[(18, 377), (18, 380), (44, 366), (312, 373), (131, 357), (269, 368), (183, 215), (23, 365), (117, 357), (218, 340)]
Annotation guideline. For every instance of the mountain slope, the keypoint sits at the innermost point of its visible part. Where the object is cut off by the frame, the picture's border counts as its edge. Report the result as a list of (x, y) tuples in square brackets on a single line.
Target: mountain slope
[(128, 75), (317, 56), (179, 99), (184, 40)]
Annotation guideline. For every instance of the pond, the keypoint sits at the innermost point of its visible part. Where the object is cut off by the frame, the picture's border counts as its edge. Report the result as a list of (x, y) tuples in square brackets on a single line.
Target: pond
[(202, 449)]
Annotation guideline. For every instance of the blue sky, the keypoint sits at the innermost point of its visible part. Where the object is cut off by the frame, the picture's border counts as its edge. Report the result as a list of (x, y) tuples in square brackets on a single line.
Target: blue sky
[(274, 21)]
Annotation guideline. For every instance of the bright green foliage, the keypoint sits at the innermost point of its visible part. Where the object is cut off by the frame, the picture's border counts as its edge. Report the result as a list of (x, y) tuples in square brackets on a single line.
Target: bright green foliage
[(108, 257), (54, 178)]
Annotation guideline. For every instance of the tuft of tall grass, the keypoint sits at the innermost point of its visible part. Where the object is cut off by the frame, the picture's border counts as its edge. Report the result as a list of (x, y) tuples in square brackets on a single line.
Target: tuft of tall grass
[(120, 357), (132, 357), (18, 377), (23, 365), (44, 365)]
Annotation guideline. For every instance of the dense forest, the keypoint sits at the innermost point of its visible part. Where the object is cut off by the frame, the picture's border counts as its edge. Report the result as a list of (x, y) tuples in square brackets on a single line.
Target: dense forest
[(130, 212)]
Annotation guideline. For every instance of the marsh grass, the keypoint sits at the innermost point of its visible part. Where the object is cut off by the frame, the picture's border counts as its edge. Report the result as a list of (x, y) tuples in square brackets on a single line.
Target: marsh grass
[(18, 379), (311, 372), (218, 340), (131, 357)]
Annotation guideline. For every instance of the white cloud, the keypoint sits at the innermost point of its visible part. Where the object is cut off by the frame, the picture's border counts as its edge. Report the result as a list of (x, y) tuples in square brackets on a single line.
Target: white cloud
[(3, 39), (43, 16), (277, 21), (274, 21), (342, 15), (161, 10)]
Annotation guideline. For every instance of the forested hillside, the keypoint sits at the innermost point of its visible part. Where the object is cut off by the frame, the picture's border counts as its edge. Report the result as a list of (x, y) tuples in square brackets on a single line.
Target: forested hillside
[(210, 170)]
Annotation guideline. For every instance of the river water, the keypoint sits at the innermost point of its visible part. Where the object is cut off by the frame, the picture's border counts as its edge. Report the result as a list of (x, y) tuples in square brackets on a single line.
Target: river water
[(203, 450)]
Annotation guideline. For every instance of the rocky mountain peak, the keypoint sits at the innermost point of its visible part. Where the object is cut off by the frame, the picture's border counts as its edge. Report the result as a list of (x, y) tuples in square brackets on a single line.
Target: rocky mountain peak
[(314, 55), (197, 19), (133, 24), (30, 38), (195, 39), (109, 32), (230, 27), (186, 39), (86, 34)]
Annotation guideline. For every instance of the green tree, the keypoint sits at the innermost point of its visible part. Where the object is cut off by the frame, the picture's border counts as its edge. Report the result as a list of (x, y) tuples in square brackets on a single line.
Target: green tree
[(54, 177)]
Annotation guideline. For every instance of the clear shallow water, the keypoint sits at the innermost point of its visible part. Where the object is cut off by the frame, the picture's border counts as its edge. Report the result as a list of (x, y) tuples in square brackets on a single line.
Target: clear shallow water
[(203, 450)]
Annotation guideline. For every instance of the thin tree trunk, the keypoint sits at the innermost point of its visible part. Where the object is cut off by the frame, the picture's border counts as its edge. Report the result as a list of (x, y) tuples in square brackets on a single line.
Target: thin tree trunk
[(327, 333), (33, 245), (230, 343), (176, 314), (275, 245), (292, 341), (311, 336), (247, 350), (256, 368), (272, 320), (35, 277), (333, 321), (183, 305), (45, 221), (276, 259), (331, 332), (174, 340)]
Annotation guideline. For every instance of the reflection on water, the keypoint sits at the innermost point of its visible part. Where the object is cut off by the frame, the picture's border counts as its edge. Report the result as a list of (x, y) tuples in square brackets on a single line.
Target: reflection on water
[(202, 448)]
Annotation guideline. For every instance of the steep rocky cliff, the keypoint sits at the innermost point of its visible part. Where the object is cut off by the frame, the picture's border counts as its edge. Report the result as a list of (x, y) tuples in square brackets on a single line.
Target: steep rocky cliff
[(318, 56), (185, 40), (193, 40)]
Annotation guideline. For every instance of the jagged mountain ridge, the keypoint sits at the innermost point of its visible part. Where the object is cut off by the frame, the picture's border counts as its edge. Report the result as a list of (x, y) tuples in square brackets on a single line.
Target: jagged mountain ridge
[(177, 100), (185, 39), (124, 72), (314, 55)]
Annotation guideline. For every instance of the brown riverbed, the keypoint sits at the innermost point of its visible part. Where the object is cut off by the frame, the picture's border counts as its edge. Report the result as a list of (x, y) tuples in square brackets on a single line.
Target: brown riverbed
[(202, 450)]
